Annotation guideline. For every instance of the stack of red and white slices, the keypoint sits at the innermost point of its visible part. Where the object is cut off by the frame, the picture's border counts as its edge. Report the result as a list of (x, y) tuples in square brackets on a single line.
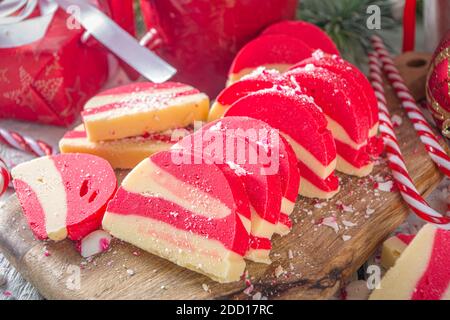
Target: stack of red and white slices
[(219, 195)]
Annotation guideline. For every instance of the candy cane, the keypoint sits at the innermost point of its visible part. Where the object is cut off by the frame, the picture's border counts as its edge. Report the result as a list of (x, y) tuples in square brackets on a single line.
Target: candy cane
[(5, 177), (24, 143), (395, 159), (423, 129)]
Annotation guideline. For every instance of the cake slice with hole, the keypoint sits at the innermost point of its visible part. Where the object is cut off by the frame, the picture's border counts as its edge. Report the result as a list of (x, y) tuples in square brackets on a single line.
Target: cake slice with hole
[(64, 195)]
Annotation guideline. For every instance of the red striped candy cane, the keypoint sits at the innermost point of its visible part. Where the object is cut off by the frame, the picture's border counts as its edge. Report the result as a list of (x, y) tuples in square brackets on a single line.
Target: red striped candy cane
[(423, 129), (5, 177), (395, 158), (24, 143)]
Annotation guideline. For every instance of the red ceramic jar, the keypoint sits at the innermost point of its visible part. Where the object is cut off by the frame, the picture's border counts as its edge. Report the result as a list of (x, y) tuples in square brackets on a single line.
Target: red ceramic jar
[(201, 37)]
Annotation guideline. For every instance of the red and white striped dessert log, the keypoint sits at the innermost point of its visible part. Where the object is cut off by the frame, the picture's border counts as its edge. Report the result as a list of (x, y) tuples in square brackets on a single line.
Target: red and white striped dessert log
[(422, 272), (124, 153), (259, 79), (346, 115), (393, 248), (303, 125), (309, 33), (141, 108), (415, 114), (257, 166), (193, 214), (64, 195), (358, 80), (268, 138), (277, 51)]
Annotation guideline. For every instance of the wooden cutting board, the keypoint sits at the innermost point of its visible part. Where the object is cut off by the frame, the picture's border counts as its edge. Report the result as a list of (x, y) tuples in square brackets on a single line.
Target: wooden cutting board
[(312, 262)]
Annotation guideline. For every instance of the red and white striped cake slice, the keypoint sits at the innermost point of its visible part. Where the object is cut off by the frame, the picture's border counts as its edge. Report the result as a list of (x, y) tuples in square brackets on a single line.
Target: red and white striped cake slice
[(64, 195), (124, 153), (277, 52), (141, 108), (357, 79), (393, 248), (422, 272), (251, 162), (259, 79), (309, 33), (303, 125), (269, 138), (346, 115), (189, 213)]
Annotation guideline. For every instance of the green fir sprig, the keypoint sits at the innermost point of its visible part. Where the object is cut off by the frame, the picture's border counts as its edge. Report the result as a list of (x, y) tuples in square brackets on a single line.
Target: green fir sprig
[(346, 22)]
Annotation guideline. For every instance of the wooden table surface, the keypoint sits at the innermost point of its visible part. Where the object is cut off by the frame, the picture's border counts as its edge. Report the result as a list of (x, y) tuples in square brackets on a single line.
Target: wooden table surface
[(329, 242)]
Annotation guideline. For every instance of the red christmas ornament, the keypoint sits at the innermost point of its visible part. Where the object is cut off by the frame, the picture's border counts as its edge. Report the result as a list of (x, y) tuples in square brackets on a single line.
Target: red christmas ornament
[(438, 86)]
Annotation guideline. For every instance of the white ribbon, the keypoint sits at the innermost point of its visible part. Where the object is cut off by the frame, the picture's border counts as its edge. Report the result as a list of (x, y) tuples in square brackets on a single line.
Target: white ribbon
[(18, 30)]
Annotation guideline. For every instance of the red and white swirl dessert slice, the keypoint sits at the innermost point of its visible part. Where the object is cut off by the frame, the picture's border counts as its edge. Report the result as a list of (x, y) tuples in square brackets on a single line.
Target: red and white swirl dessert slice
[(269, 138), (422, 272), (191, 214), (257, 80), (64, 195), (141, 108), (358, 80), (124, 153), (346, 115), (303, 125), (309, 33), (256, 166), (271, 51), (393, 248)]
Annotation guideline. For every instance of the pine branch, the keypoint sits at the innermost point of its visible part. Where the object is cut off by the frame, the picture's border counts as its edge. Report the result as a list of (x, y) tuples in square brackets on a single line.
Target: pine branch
[(345, 22)]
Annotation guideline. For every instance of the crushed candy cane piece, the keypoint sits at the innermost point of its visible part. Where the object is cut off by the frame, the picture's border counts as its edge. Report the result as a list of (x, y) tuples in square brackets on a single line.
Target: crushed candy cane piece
[(279, 271), (348, 224), (257, 296), (249, 290), (290, 254), (330, 222), (348, 208), (385, 186), (346, 237), (94, 243)]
